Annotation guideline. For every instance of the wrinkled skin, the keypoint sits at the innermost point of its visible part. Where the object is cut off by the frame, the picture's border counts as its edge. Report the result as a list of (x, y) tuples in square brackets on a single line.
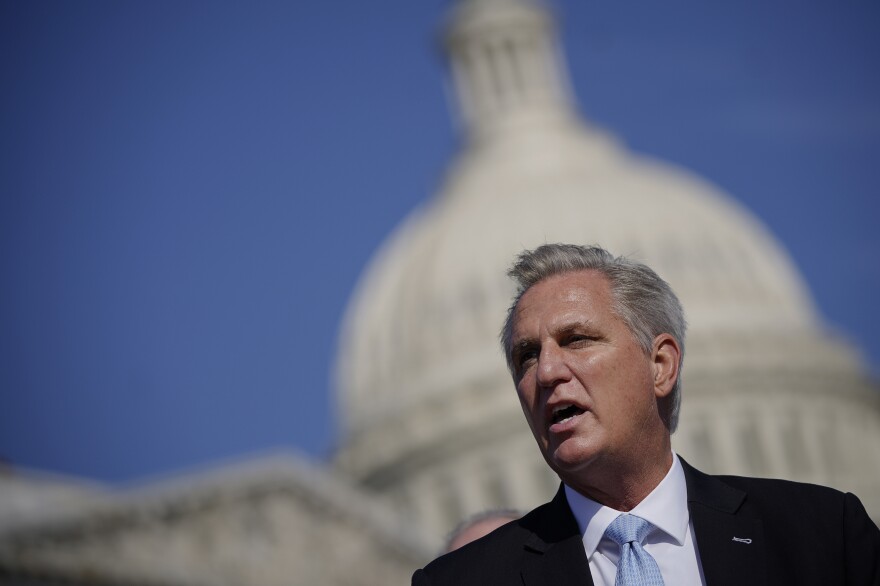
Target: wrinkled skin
[(571, 351)]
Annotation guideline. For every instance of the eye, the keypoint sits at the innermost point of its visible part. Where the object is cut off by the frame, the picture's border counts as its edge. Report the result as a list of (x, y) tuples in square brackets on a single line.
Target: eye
[(525, 357), (580, 341)]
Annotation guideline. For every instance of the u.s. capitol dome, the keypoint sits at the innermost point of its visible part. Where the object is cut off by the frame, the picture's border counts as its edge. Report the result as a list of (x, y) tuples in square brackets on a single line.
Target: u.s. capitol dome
[(431, 421)]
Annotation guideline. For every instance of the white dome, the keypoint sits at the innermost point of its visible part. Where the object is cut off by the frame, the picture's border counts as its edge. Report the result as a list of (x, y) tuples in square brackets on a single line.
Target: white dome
[(430, 416), (434, 298)]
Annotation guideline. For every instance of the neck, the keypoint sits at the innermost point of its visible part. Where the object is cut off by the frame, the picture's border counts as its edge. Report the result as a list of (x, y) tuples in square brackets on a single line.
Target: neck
[(623, 486)]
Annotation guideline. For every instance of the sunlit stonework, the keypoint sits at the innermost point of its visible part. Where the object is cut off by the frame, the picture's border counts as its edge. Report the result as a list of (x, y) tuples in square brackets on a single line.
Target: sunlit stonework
[(432, 429), (432, 421)]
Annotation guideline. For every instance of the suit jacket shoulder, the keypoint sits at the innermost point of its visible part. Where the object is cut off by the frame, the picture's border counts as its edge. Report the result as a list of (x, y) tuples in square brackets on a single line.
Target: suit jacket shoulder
[(748, 531), (766, 531), (542, 548)]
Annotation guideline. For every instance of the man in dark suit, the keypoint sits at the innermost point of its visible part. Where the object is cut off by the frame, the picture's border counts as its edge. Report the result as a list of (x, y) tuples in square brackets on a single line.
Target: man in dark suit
[(595, 346)]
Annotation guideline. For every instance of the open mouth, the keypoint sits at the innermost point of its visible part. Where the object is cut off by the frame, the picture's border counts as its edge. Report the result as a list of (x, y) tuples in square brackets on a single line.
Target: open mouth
[(561, 414)]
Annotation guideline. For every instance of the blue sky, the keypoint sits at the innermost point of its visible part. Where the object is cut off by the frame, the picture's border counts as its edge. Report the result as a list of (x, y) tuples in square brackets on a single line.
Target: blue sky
[(190, 190)]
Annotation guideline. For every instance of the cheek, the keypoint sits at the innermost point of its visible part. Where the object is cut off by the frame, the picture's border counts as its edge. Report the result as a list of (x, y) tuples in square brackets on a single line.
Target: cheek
[(594, 368), (528, 401), (626, 369)]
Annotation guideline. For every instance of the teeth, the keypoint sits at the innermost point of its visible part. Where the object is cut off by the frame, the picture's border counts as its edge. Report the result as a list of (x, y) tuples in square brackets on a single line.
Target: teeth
[(565, 412)]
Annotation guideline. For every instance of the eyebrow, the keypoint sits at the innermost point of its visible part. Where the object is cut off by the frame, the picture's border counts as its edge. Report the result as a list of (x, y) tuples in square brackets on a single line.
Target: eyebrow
[(570, 328), (578, 326), (522, 345)]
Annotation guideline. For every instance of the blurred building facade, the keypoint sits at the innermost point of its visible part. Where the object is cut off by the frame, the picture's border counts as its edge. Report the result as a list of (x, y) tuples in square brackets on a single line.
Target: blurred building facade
[(432, 427)]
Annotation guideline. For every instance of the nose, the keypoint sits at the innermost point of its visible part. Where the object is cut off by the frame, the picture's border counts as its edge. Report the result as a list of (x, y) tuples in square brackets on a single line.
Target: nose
[(552, 368)]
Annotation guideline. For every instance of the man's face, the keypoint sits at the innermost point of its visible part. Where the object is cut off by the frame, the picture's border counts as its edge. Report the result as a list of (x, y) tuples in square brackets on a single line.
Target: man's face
[(585, 384)]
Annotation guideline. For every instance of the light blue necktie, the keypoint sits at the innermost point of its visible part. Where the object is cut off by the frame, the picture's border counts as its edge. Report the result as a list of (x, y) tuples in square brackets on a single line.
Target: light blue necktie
[(636, 567)]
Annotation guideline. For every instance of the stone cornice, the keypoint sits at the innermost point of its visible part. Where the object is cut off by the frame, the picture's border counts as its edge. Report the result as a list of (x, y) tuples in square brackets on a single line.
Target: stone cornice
[(171, 501)]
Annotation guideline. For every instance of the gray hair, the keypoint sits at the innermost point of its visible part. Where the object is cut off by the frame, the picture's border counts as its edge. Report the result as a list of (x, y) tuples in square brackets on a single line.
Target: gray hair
[(644, 301), (476, 519)]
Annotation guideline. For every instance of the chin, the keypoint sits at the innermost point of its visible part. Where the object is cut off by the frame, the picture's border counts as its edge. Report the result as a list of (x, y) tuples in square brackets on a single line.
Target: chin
[(570, 457)]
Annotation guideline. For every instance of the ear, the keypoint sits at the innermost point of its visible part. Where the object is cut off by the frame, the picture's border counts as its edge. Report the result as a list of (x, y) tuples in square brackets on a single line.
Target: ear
[(665, 358)]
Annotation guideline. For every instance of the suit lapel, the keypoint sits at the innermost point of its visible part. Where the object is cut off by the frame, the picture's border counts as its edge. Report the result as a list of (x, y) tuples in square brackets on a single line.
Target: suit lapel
[(554, 551), (731, 546)]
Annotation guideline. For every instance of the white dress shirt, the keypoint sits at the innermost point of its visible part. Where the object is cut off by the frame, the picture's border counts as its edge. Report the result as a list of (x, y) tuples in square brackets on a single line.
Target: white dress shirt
[(671, 542)]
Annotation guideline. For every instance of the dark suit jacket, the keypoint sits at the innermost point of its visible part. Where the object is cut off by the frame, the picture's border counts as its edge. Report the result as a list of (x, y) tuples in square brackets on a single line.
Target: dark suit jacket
[(800, 534)]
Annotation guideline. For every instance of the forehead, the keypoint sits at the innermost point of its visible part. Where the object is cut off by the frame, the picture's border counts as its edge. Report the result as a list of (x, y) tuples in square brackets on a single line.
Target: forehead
[(579, 295)]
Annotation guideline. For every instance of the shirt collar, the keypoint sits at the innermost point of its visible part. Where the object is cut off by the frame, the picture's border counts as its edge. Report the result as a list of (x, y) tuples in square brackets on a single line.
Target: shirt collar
[(665, 507)]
